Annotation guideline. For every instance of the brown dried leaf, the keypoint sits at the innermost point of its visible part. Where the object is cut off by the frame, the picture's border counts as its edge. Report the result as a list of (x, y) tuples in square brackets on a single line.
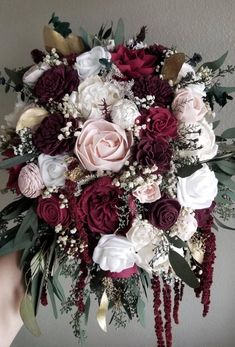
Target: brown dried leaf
[(172, 66)]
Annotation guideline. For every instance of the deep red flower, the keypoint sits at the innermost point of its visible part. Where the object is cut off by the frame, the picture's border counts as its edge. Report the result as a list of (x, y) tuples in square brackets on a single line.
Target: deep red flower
[(46, 139), (12, 182), (134, 63), (49, 210), (154, 86), (164, 213), (149, 152), (160, 123), (98, 206), (55, 83)]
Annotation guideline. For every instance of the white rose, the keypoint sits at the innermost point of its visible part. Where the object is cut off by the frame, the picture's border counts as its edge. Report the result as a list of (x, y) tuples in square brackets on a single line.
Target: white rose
[(52, 169), (141, 233), (34, 73), (185, 69), (204, 138), (92, 93), (114, 253), (124, 112), (198, 190), (186, 225), (88, 64)]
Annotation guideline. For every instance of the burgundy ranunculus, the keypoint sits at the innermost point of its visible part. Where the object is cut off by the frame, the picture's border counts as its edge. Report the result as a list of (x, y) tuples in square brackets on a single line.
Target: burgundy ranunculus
[(46, 139), (55, 83), (164, 213), (160, 123), (37, 56), (97, 206), (134, 63), (154, 86), (49, 210), (158, 51), (153, 152)]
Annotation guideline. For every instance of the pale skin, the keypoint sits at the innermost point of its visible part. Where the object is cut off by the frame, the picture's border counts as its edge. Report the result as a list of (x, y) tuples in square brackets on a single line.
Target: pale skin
[(11, 293)]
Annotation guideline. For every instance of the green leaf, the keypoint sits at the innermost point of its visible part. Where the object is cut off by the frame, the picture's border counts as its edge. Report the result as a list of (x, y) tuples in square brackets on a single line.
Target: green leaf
[(8, 163), (87, 309), (222, 225), (226, 166), (28, 317), (11, 246), (30, 221), (176, 241), (141, 312), (58, 289), (225, 180), (15, 208), (63, 28), (229, 134), (52, 297), (188, 170), (182, 269), (216, 64), (119, 33), (220, 95), (86, 37), (215, 124), (35, 290), (16, 75), (126, 308), (107, 33)]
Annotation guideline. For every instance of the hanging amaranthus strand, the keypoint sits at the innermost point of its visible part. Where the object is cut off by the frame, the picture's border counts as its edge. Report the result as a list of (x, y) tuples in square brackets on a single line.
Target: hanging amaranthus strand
[(156, 287), (167, 308), (176, 302)]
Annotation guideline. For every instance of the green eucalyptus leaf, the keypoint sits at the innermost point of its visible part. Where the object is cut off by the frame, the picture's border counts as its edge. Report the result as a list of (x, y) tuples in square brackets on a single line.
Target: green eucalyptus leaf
[(222, 225), (216, 64), (215, 124), (231, 194), (15, 208), (20, 159), (119, 33), (87, 309), (141, 312), (225, 180), (229, 133), (126, 308), (86, 37), (144, 281), (182, 269), (28, 317), (12, 246), (52, 297), (58, 289), (107, 33), (176, 241), (30, 221), (35, 289), (188, 170), (16, 75)]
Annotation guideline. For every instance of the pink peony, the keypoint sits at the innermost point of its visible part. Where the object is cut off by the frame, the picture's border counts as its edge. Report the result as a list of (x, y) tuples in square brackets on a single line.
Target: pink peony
[(103, 146), (30, 181)]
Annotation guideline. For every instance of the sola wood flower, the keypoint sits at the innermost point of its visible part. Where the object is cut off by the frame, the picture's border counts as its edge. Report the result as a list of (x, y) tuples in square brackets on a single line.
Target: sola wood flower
[(30, 181)]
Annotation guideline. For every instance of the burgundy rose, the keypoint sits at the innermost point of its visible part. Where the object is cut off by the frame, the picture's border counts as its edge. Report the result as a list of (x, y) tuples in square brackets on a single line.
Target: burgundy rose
[(97, 206), (153, 152), (158, 51), (164, 213), (55, 83), (49, 210), (46, 139), (134, 63), (160, 123), (154, 86), (37, 56)]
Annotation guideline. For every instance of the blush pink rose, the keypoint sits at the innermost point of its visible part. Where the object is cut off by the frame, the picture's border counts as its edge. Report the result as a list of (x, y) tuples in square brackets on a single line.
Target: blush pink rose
[(188, 105), (147, 193), (30, 181), (103, 146)]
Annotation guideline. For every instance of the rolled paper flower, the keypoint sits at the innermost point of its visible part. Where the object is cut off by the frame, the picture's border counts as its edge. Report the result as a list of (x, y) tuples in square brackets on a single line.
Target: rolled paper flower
[(31, 118), (103, 146), (30, 181), (114, 253)]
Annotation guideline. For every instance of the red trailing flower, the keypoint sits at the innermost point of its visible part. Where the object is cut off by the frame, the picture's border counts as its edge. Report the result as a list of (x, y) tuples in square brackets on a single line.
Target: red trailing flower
[(55, 83), (50, 211), (98, 206), (134, 63), (156, 287), (158, 123)]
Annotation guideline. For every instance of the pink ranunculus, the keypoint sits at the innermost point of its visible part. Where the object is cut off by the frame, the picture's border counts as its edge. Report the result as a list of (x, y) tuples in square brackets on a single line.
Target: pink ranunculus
[(188, 105), (103, 146), (30, 181), (147, 193)]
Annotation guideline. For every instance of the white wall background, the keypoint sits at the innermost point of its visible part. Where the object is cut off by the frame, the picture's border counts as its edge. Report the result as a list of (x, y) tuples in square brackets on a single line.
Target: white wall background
[(200, 26)]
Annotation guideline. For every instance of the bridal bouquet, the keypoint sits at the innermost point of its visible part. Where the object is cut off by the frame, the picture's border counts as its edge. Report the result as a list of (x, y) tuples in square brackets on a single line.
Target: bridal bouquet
[(119, 177)]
